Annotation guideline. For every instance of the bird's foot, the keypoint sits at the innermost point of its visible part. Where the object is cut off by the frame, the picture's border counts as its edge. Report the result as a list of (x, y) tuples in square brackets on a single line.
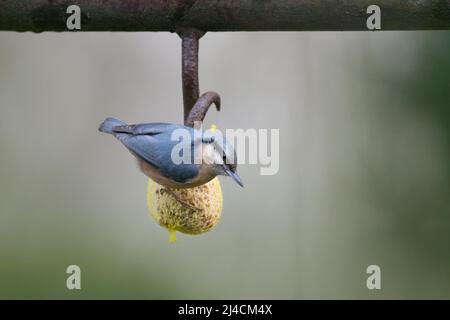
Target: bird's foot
[(182, 202)]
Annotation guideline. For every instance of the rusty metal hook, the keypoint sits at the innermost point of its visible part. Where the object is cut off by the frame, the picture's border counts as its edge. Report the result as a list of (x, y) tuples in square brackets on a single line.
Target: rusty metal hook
[(195, 107), (200, 108)]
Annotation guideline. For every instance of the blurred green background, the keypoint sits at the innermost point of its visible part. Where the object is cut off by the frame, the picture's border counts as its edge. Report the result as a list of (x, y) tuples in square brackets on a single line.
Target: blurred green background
[(364, 166)]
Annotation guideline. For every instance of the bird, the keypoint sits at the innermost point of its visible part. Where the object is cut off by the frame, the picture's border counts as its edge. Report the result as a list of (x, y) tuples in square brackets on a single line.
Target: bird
[(153, 145)]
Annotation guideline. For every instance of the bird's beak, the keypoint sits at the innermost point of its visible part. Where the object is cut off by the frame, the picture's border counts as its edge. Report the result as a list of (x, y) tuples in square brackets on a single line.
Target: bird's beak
[(234, 175)]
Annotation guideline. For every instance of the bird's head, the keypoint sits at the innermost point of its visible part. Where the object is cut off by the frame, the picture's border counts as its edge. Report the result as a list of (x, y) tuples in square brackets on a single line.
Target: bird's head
[(220, 155)]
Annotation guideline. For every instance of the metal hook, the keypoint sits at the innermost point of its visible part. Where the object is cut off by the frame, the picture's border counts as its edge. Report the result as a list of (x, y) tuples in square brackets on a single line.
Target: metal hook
[(200, 108), (195, 107)]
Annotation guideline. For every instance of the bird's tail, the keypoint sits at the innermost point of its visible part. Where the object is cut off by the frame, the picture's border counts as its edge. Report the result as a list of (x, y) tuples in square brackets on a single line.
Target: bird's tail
[(108, 125)]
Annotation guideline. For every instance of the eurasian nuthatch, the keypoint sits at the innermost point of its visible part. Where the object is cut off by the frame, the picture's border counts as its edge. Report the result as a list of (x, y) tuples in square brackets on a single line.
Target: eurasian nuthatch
[(152, 145)]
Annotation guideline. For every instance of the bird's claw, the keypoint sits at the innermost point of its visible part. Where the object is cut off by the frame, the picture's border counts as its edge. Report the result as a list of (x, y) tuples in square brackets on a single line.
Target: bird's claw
[(182, 202)]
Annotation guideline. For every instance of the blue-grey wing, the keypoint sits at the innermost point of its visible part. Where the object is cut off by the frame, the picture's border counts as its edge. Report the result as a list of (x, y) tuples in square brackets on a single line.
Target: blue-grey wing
[(156, 150), (146, 128)]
